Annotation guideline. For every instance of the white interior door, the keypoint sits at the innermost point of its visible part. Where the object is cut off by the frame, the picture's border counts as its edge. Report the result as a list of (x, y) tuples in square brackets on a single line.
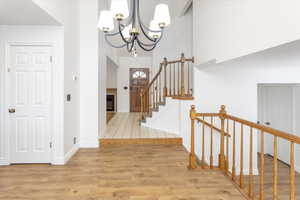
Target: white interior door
[(30, 104), (277, 112)]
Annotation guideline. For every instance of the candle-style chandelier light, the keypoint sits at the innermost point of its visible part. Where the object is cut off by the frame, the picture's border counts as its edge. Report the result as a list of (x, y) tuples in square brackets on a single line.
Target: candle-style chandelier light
[(130, 26)]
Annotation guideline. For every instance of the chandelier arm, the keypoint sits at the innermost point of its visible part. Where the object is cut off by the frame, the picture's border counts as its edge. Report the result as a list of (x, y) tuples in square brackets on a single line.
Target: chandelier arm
[(112, 45), (145, 34), (144, 48), (155, 43)]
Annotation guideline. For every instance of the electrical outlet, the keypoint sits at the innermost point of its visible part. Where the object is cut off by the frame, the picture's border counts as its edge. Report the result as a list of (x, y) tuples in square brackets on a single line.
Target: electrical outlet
[(74, 140)]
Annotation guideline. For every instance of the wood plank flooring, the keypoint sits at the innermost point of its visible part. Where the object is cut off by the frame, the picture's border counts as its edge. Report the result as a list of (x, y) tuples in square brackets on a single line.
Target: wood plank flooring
[(126, 126), (126, 172), (283, 180)]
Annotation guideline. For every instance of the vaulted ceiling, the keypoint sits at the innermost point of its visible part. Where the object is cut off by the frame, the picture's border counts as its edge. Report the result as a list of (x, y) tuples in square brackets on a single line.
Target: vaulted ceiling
[(23, 12)]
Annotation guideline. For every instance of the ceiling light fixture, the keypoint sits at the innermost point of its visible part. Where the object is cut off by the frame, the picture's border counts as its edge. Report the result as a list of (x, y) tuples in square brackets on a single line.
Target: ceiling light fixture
[(130, 26)]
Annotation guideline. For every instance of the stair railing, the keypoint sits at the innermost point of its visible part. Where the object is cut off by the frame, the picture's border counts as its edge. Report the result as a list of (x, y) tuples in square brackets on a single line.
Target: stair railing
[(173, 79), (230, 127)]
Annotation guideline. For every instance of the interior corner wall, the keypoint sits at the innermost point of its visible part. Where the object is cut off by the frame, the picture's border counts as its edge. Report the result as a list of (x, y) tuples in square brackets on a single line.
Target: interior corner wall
[(67, 13), (123, 79), (112, 73)]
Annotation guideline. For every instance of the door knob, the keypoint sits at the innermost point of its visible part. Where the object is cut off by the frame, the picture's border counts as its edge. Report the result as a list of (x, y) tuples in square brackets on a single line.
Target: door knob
[(11, 110)]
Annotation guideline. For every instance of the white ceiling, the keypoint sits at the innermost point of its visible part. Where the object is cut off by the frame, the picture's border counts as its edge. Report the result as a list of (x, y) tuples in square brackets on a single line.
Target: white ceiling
[(23, 12), (147, 11)]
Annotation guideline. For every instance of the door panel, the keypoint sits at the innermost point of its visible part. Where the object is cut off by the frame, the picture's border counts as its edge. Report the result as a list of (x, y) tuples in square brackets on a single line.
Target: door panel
[(30, 96), (277, 112), (139, 79)]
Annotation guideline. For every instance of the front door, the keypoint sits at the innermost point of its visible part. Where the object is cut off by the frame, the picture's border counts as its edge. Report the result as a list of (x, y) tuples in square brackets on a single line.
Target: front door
[(29, 104), (139, 79)]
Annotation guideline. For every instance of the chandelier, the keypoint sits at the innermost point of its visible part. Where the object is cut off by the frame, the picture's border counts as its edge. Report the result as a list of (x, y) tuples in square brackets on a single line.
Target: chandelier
[(130, 27)]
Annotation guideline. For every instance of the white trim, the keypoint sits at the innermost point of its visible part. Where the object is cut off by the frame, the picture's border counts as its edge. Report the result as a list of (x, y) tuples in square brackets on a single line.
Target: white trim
[(54, 72), (89, 143), (71, 153), (8, 89), (4, 162)]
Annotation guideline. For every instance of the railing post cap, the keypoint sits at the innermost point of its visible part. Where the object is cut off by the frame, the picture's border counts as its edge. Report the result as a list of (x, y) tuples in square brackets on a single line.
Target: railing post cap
[(193, 112), (223, 109)]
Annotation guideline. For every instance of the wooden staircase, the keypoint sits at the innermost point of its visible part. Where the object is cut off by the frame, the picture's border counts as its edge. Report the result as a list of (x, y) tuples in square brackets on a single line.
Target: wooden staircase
[(174, 79)]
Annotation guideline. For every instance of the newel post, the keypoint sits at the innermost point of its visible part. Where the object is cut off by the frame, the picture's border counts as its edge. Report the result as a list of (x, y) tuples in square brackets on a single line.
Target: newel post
[(183, 60), (222, 113), (192, 156), (165, 63)]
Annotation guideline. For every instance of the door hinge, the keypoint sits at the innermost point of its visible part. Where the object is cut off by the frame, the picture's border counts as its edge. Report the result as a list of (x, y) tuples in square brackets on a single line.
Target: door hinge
[(50, 145), (51, 59)]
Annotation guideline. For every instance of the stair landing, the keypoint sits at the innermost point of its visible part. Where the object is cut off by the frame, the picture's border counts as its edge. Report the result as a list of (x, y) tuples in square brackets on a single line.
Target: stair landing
[(124, 128)]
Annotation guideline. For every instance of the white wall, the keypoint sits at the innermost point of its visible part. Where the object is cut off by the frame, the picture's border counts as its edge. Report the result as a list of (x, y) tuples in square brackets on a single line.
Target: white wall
[(28, 35), (167, 118), (178, 38), (89, 93), (229, 29), (112, 74), (67, 13), (123, 78)]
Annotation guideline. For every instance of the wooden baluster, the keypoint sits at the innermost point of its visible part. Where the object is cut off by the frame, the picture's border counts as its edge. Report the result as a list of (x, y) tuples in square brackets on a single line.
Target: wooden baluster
[(192, 77), (227, 149), (156, 93), (211, 164), (174, 79), (222, 142), (178, 80), (251, 165), (262, 167), (192, 157), (182, 91), (292, 171), (242, 158), (275, 169), (153, 96), (233, 153), (203, 147), (165, 77), (170, 79), (142, 104), (160, 100), (188, 78)]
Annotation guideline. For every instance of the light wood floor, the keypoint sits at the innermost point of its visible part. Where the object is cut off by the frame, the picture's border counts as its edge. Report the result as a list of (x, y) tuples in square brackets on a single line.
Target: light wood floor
[(127, 172), (283, 181), (126, 126)]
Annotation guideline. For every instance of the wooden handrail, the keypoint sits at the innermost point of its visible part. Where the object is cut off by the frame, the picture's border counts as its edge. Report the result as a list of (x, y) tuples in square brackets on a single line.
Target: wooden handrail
[(163, 85), (211, 126), (153, 80), (223, 163), (275, 132)]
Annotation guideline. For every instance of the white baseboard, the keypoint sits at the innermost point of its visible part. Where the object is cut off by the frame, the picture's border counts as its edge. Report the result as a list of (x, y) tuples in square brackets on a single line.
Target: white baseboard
[(58, 161), (89, 143), (4, 162), (71, 153)]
